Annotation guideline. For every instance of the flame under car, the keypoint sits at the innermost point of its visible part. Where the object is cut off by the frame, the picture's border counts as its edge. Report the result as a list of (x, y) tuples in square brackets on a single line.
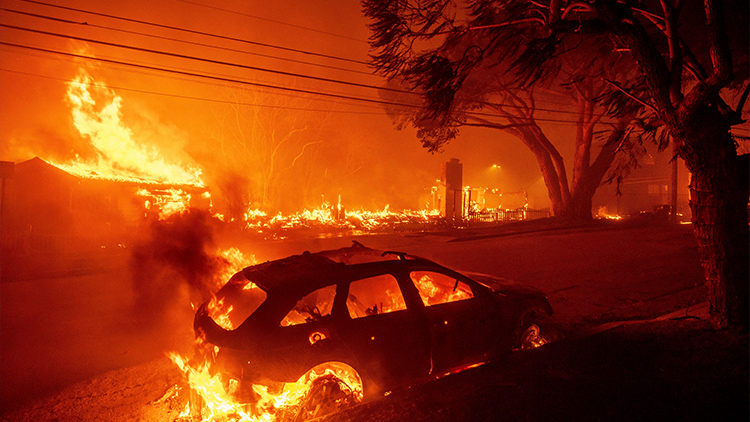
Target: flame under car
[(387, 319)]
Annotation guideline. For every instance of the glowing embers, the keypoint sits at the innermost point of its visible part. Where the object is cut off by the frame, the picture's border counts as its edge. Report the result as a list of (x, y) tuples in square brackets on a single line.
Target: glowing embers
[(602, 213), (164, 202), (328, 216), (324, 389), (96, 115), (460, 369), (532, 338)]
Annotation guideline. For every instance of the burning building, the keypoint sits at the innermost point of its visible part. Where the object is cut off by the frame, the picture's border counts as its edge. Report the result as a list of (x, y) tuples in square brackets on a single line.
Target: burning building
[(48, 211)]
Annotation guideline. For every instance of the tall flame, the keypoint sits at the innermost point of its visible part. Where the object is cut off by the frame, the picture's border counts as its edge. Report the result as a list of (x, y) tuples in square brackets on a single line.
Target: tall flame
[(121, 157)]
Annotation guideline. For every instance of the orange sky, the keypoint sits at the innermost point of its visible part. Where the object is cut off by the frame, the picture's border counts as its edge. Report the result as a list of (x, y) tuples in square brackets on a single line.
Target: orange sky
[(351, 146)]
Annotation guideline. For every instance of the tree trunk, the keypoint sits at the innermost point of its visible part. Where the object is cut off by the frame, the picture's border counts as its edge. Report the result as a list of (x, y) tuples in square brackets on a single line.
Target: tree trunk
[(718, 202), (580, 205)]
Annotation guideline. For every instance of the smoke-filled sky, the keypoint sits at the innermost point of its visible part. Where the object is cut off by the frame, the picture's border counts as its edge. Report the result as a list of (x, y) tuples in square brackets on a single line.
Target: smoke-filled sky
[(272, 100)]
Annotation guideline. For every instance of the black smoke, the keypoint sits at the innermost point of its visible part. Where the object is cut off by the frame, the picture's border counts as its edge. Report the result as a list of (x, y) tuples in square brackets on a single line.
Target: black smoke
[(173, 259)]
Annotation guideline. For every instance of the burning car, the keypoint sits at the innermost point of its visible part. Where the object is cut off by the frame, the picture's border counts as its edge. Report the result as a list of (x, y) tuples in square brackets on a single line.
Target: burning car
[(356, 322)]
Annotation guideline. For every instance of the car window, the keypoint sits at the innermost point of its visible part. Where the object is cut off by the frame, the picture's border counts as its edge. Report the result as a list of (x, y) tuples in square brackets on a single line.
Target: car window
[(235, 302), (311, 307), (373, 296), (436, 288)]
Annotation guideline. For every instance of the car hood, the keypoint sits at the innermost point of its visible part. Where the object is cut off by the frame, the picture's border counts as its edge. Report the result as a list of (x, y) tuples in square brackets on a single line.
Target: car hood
[(503, 286)]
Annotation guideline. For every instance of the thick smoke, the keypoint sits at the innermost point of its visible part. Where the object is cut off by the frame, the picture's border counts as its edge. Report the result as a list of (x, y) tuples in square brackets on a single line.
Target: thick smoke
[(174, 258)]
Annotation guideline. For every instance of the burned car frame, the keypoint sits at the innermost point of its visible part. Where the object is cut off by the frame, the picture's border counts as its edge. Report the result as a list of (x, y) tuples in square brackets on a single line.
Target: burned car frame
[(388, 318)]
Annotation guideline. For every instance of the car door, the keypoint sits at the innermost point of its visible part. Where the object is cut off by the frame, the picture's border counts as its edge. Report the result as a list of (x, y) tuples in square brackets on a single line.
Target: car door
[(462, 325), (389, 339), (306, 335)]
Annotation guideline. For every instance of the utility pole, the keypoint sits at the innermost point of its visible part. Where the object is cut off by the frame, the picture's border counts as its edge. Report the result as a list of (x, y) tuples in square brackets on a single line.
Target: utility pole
[(673, 201), (6, 172)]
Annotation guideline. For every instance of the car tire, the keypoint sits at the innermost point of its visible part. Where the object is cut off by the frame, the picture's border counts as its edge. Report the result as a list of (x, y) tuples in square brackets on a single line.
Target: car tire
[(327, 394), (528, 330)]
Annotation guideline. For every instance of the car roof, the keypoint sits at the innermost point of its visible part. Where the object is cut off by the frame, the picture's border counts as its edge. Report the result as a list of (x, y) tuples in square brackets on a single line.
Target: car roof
[(309, 271)]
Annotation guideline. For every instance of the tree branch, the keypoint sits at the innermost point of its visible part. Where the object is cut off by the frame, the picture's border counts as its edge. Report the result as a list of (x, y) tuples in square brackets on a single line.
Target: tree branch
[(644, 51), (721, 60), (631, 96), (675, 51), (492, 125)]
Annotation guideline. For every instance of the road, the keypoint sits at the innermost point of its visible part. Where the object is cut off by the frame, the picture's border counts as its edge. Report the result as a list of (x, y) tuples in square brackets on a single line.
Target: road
[(62, 330)]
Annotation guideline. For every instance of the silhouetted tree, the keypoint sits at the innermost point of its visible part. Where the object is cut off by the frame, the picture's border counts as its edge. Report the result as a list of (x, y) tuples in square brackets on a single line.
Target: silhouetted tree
[(465, 81), (490, 101), (435, 46)]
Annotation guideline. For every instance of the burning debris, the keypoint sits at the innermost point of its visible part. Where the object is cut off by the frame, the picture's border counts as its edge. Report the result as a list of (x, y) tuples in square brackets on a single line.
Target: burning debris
[(334, 218), (324, 389)]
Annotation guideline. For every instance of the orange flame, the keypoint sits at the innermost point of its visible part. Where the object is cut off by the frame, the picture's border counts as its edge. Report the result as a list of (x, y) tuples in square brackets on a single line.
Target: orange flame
[(236, 261), (218, 402), (333, 217), (121, 157)]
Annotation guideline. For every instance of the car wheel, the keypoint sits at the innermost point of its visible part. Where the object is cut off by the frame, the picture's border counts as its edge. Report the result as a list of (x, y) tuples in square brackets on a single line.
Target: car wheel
[(327, 394), (528, 332)]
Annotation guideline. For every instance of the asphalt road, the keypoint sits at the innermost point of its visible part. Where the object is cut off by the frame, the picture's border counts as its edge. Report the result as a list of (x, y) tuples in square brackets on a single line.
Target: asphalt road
[(57, 331)]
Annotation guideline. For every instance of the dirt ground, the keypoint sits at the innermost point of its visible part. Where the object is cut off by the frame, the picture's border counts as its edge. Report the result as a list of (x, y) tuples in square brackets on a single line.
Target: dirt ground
[(629, 303)]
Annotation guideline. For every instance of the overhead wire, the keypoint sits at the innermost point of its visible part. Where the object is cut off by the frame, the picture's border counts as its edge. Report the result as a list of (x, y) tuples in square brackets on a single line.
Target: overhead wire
[(230, 80), (233, 50), (274, 21), (238, 65), (249, 83), (188, 97), (142, 71), (200, 59), (248, 41), (191, 31), (200, 75), (145, 69)]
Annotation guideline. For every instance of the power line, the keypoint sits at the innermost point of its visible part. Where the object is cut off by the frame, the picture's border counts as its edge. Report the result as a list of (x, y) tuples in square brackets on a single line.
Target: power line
[(201, 59), (284, 94), (147, 69), (273, 21), (187, 97), (249, 83), (234, 50), (203, 76), (255, 68), (207, 34), (239, 65), (248, 42)]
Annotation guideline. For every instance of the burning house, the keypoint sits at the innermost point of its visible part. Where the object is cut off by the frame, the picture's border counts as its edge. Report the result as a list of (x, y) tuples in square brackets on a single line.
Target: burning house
[(48, 211)]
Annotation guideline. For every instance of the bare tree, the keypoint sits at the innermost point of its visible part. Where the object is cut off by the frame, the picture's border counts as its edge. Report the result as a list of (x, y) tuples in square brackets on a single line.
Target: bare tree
[(265, 150)]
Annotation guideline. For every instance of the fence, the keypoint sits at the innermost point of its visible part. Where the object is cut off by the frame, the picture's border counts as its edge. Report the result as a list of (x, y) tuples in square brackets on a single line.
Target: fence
[(496, 216), (22, 243)]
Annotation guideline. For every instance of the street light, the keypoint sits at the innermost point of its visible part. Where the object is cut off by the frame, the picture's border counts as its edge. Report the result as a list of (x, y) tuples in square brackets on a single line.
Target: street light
[(497, 167)]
